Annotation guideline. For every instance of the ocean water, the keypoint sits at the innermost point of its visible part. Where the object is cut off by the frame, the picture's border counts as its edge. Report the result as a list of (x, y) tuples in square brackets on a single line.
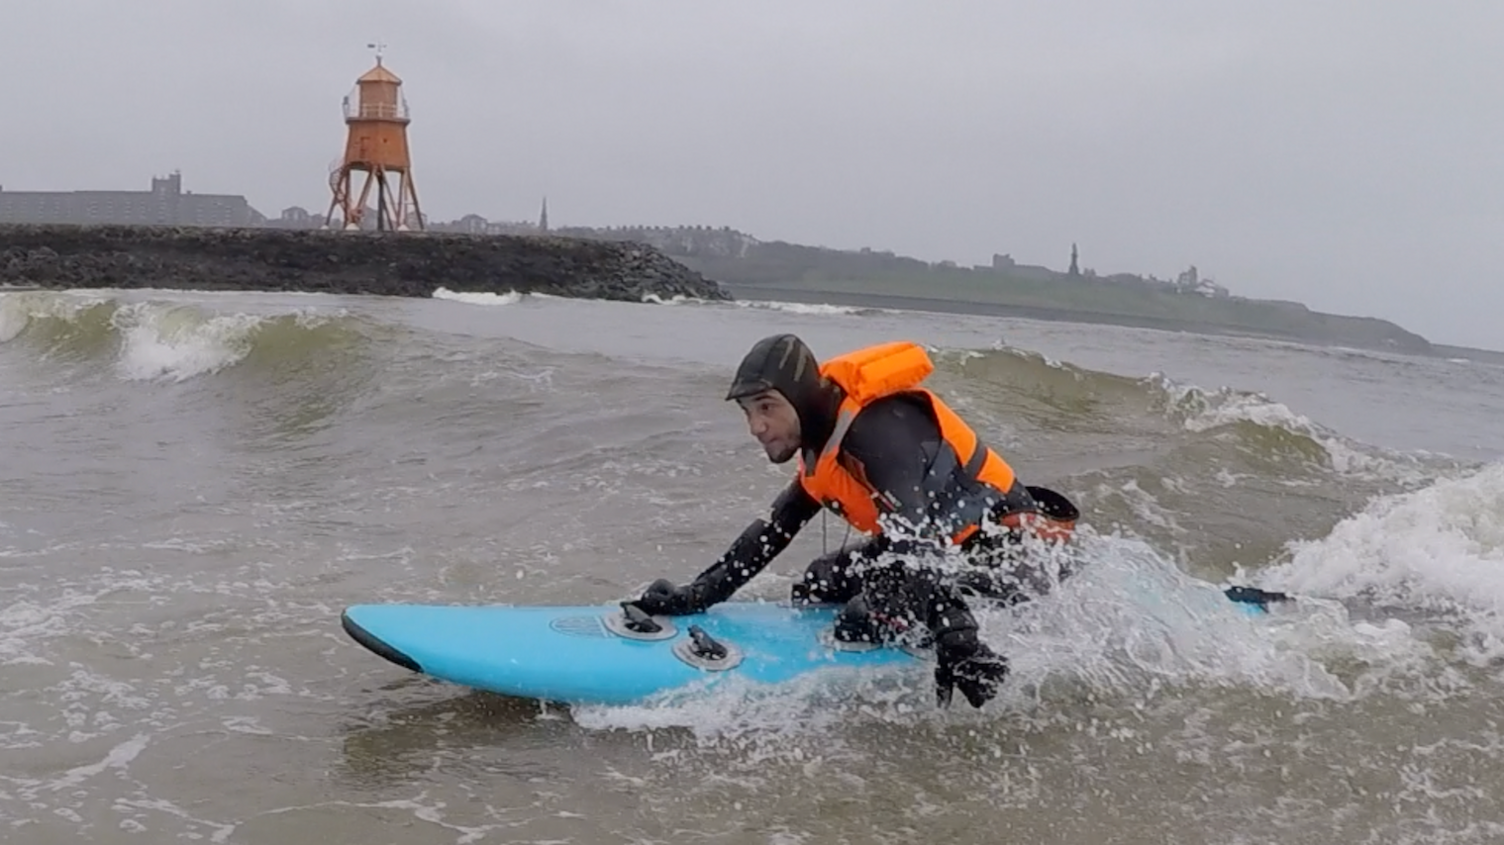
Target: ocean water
[(195, 485)]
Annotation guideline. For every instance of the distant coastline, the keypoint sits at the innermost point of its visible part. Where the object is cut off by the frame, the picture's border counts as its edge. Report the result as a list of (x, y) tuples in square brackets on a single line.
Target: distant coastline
[(770, 293), (1188, 303), (736, 260)]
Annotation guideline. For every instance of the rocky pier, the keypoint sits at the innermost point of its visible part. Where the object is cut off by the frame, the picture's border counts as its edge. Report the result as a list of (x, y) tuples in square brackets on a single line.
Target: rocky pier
[(413, 264)]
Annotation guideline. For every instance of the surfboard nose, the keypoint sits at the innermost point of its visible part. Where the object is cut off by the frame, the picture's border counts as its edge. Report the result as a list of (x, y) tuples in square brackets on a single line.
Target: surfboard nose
[(374, 643)]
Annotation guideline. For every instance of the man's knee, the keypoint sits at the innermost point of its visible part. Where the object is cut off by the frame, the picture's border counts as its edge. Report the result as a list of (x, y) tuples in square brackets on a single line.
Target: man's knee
[(827, 580), (1012, 574)]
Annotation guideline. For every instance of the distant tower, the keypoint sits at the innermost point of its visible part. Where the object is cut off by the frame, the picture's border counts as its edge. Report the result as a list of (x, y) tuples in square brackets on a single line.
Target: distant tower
[(543, 217), (1075, 268), (376, 145)]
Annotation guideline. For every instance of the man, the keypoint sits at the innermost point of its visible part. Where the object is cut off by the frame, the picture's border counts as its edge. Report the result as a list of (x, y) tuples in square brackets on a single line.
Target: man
[(897, 463)]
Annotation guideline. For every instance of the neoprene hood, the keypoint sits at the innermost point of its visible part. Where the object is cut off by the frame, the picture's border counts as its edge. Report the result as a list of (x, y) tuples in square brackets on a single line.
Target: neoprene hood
[(783, 362)]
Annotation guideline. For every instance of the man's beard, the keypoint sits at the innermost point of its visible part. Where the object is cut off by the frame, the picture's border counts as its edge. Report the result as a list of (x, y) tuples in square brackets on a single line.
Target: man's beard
[(783, 454)]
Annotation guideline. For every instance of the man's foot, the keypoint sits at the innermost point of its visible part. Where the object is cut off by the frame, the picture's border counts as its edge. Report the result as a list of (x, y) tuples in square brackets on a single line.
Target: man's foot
[(1255, 596), (856, 624)]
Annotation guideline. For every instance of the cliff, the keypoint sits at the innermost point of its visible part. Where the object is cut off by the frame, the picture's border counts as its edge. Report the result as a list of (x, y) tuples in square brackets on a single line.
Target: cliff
[(390, 264)]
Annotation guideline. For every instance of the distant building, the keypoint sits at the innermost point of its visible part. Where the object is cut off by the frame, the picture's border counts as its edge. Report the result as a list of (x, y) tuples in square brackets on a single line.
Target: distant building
[(166, 204), (296, 217), (1191, 281)]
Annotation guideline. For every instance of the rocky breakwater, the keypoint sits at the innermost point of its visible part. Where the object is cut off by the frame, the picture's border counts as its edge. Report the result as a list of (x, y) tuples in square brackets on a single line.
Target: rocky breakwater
[(379, 263)]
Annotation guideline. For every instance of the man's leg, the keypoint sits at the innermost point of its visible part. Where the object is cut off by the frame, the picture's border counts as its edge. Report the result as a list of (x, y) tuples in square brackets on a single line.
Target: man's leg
[(829, 578), (896, 599), (1002, 575), (1009, 565)]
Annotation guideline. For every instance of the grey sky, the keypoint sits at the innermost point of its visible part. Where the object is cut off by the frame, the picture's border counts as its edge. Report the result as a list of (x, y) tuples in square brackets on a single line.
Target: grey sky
[(1349, 155)]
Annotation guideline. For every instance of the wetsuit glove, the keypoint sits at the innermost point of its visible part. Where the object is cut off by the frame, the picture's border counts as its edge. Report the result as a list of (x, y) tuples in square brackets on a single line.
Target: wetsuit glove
[(662, 598), (969, 664)]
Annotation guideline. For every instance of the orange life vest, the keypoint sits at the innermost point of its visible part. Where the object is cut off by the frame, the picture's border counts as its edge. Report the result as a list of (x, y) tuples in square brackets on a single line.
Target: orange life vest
[(884, 370)]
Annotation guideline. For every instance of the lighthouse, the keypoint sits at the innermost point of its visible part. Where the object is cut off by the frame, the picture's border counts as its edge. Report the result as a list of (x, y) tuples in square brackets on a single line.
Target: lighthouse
[(376, 146)]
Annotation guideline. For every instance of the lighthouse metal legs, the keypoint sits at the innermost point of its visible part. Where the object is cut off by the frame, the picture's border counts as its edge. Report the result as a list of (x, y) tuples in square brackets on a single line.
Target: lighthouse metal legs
[(391, 207)]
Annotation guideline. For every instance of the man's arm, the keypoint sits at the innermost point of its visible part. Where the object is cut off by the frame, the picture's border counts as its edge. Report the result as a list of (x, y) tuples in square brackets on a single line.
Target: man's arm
[(758, 544)]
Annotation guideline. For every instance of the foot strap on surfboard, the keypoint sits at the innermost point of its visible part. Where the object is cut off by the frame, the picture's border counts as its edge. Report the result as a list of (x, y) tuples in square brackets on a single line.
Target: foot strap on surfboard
[(1254, 596), (638, 620), (635, 624), (703, 651), (705, 645)]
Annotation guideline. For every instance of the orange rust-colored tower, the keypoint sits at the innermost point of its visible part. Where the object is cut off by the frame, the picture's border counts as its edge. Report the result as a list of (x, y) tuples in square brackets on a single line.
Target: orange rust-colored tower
[(376, 144)]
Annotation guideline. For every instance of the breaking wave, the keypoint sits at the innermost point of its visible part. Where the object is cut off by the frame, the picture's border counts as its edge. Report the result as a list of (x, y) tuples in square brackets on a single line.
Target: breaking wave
[(511, 297), (1434, 554), (156, 341), (810, 308), (1007, 383), (817, 309)]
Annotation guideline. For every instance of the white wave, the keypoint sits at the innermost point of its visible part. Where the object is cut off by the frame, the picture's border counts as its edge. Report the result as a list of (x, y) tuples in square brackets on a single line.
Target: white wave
[(13, 319), (176, 343), (21, 623), (18, 310), (1031, 355), (180, 342), (1438, 551), (804, 308), (118, 757), (812, 308), (171, 341), (1201, 410), (676, 299), (511, 297)]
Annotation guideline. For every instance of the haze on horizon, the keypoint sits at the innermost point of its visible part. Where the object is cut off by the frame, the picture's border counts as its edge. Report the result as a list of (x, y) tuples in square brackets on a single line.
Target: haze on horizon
[(1344, 154)]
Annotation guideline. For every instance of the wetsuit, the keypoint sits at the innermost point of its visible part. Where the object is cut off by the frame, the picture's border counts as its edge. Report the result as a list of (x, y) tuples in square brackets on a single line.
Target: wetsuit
[(879, 449), (894, 442)]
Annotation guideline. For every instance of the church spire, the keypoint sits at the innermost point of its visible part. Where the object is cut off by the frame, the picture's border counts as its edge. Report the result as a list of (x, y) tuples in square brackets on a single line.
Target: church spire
[(543, 216)]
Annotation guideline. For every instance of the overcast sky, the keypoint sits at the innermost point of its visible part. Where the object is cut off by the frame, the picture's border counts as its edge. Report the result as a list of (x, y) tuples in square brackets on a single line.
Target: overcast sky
[(1349, 155)]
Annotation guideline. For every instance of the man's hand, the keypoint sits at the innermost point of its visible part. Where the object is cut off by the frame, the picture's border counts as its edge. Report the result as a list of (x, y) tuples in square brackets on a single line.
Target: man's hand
[(662, 598), (970, 665)]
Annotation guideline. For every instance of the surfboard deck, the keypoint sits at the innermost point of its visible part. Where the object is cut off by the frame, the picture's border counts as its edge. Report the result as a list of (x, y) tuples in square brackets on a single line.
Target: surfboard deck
[(589, 654)]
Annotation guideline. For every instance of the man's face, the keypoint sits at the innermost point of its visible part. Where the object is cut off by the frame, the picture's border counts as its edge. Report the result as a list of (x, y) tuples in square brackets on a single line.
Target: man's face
[(773, 421)]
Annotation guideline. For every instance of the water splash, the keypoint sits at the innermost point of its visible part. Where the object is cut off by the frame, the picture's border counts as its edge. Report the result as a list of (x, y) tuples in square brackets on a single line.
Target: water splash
[(1437, 553)]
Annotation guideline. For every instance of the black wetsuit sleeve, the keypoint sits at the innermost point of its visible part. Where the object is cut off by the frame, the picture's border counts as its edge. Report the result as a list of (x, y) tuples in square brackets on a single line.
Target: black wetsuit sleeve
[(758, 544)]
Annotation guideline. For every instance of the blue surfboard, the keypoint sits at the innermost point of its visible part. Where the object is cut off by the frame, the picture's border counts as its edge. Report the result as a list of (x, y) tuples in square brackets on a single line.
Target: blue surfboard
[(594, 655), (606, 655)]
